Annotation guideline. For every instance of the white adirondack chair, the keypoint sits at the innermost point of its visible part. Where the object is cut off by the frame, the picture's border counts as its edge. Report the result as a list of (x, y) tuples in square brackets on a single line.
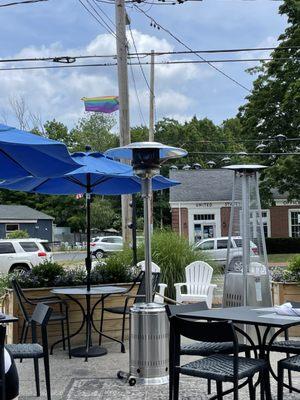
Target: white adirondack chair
[(162, 286), (198, 284)]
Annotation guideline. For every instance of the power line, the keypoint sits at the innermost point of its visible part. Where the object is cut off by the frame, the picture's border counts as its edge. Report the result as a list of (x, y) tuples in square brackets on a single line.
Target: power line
[(110, 64), (21, 2), (104, 13), (138, 98), (103, 24), (187, 47), (143, 54)]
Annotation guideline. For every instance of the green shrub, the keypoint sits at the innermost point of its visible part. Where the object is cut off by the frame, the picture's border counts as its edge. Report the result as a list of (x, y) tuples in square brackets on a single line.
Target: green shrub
[(20, 234), (294, 264)]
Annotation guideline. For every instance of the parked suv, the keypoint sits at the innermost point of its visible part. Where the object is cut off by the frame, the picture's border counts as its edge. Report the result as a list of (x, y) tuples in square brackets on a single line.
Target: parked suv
[(216, 248), (22, 254), (103, 245)]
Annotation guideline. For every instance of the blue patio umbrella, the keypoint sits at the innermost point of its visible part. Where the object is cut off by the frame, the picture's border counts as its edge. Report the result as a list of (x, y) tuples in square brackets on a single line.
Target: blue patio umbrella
[(23, 153), (98, 174)]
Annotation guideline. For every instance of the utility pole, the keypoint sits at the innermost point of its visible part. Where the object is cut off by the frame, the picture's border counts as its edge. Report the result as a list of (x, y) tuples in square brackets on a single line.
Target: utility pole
[(151, 113), (124, 125)]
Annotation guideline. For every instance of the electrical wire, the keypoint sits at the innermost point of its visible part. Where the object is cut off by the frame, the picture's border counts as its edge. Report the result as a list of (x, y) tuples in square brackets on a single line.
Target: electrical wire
[(104, 25), (138, 98), (104, 13), (21, 2), (110, 64), (187, 47), (146, 54)]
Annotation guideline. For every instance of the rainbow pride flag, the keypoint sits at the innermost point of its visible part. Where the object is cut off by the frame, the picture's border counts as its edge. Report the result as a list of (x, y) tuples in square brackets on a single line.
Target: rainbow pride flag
[(105, 104)]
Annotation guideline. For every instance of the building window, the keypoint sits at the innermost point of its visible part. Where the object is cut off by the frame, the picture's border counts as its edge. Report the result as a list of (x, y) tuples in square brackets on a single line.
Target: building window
[(204, 217), (295, 223), (11, 228)]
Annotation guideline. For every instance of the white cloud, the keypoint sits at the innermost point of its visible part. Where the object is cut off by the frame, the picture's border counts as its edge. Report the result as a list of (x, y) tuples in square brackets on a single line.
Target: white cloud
[(56, 93)]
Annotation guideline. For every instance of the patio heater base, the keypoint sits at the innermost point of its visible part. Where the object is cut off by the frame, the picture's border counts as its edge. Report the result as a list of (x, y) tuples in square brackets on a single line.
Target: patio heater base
[(149, 345), (94, 351)]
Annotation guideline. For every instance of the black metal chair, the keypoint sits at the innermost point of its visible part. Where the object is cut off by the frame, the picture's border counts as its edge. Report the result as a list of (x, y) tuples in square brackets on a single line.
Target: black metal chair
[(2, 361), (290, 364), (62, 316), (203, 349), (34, 350), (139, 297), (218, 367)]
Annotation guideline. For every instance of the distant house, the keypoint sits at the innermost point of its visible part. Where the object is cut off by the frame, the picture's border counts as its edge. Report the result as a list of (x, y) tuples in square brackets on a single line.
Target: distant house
[(36, 223), (201, 206)]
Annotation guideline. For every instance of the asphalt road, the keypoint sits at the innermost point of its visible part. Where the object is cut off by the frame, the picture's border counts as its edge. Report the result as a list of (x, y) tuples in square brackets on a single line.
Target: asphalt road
[(62, 256)]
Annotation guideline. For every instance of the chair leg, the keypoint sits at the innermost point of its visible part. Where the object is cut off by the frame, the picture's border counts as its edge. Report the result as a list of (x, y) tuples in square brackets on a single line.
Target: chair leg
[(37, 376), (101, 324), (280, 383), (47, 376), (219, 390), (22, 332), (208, 386), (26, 332), (123, 329), (251, 389), (175, 384), (68, 333), (267, 386), (63, 334), (290, 381)]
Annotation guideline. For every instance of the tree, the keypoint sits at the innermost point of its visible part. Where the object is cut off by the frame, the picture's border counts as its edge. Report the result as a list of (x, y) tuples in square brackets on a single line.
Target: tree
[(58, 131), (273, 107), (102, 214), (94, 130)]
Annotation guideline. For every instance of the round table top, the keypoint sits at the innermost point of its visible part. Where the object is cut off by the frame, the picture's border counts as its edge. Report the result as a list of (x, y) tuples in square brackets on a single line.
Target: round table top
[(95, 290)]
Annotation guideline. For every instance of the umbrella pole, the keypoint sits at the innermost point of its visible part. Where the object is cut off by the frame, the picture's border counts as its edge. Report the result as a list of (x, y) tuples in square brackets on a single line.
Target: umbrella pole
[(88, 260), (146, 194)]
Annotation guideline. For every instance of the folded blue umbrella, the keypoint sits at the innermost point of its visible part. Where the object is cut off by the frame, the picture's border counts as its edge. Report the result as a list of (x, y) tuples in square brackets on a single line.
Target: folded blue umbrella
[(23, 153), (97, 174)]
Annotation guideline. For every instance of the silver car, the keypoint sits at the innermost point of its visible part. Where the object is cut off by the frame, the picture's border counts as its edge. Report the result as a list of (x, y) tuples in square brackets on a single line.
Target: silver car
[(103, 245)]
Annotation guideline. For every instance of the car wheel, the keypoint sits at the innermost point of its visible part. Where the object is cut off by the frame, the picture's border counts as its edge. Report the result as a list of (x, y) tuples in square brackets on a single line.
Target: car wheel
[(19, 268), (236, 265), (99, 254)]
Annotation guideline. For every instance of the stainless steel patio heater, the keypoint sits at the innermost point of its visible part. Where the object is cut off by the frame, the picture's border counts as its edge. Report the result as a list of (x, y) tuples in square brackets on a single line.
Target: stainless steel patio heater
[(246, 281), (149, 327)]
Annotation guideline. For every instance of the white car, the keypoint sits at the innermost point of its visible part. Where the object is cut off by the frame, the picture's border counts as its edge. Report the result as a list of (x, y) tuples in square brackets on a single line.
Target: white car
[(216, 248), (23, 254), (103, 245)]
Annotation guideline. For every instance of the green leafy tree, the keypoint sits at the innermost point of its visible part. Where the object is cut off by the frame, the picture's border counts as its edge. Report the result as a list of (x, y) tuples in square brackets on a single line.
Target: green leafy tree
[(94, 130), (58, 131), (102, 214), (273, 107)]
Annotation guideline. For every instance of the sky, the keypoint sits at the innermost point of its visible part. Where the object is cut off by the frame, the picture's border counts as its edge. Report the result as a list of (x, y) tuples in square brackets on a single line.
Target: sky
[(56, 27)]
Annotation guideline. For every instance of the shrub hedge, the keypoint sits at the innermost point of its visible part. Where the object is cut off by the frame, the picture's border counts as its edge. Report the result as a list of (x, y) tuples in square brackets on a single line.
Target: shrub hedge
[(283, 245)]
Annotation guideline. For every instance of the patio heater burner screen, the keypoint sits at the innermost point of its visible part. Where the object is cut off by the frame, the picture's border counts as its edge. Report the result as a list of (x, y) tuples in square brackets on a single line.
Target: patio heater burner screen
[(246, 275)]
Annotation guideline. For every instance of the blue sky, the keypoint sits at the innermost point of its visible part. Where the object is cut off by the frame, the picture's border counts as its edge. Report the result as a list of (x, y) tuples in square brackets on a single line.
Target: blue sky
[(65, 28)]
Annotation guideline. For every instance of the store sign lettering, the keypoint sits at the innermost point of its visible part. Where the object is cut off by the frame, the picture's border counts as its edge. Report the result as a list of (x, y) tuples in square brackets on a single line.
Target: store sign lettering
[(203, 205)]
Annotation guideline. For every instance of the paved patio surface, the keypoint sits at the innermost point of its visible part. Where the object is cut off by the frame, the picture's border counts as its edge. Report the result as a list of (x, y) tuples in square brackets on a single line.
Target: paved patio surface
[(75, 379)]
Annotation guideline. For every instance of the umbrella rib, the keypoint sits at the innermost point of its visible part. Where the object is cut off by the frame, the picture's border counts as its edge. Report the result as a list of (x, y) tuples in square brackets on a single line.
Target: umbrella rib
[(74, 180), (12, 159), (100, 180)]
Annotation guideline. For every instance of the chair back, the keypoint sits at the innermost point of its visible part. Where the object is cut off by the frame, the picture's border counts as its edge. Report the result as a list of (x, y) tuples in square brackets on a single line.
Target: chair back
[(155, 267), (173, 310), (198, 277), (22, 299), (142, 288), (41, 316), (2, 360)]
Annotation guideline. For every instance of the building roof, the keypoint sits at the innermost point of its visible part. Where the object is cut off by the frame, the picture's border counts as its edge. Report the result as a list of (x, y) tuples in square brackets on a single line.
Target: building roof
[(205, 185), (19, 213)]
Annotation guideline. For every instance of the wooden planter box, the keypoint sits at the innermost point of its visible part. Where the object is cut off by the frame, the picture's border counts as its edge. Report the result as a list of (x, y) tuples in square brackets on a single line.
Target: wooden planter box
[(112, 324), (284, 292)]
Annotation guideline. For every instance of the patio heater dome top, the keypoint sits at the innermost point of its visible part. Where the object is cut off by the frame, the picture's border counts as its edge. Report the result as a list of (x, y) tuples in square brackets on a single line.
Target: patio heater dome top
[(165, 152), (245, 167), (146, 156)]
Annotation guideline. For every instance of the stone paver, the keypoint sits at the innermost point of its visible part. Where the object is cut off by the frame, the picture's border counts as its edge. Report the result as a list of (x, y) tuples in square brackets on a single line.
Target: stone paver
[(75, 379)]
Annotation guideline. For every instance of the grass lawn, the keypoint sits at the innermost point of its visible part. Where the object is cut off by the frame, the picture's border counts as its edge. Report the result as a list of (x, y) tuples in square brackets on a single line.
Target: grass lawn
[(278, 258)]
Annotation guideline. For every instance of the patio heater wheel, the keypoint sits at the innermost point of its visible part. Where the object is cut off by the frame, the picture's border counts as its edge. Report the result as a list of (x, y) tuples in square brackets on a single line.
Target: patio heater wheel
[(128, 378)]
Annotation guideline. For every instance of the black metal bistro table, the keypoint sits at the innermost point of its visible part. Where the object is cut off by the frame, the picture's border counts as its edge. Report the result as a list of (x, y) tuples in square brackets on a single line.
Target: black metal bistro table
[(88, 350), (257, 317)]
